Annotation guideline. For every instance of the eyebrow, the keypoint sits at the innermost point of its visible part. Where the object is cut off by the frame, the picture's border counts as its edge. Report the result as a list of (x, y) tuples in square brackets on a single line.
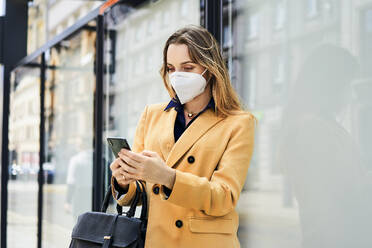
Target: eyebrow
[(183, 62)]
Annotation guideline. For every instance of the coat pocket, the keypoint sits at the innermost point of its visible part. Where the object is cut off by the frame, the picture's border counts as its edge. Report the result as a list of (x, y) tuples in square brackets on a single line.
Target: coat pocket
[(207, 225)]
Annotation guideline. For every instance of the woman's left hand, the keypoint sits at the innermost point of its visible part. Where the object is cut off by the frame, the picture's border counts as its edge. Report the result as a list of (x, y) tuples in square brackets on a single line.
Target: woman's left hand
[(147, 166)]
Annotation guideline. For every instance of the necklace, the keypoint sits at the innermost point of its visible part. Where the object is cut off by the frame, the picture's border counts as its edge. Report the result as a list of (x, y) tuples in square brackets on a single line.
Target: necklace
[(190, 114)]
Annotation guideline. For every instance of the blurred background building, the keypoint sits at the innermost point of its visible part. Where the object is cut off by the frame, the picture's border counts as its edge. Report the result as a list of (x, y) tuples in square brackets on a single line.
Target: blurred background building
[(302, 67)]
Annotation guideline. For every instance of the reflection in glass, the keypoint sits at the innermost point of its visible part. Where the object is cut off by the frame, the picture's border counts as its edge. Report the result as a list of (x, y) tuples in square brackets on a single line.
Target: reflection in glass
[(69, 131), (24, 125), (330, 185), (307, 78)]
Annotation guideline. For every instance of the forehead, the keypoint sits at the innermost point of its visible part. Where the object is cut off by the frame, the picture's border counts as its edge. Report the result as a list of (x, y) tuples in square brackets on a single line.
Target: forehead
[(177, 53)]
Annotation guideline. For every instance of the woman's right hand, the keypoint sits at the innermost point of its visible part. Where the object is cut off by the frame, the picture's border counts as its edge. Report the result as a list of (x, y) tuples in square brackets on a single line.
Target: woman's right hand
[(118, 173)]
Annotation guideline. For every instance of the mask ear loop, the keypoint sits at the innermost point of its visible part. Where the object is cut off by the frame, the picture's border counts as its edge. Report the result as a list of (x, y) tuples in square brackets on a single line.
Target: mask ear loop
[(203, 73)]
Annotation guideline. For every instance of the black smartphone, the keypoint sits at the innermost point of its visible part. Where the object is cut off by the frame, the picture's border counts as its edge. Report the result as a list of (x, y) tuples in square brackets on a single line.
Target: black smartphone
[(116, 144)]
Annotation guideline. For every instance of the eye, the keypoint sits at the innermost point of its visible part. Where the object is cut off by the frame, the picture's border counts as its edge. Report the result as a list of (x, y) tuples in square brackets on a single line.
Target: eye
[(169, 69), (189, 68)]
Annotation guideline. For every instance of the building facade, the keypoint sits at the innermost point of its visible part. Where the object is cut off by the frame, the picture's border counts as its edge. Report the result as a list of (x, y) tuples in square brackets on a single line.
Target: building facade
[(302, 67)]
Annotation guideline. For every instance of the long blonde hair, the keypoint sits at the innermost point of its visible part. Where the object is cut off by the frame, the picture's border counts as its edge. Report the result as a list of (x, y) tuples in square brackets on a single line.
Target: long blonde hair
[(204, 50)]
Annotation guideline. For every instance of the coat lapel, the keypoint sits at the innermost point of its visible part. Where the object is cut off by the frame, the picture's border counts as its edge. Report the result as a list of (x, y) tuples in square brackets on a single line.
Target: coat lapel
[(197, 128), (166, 141)]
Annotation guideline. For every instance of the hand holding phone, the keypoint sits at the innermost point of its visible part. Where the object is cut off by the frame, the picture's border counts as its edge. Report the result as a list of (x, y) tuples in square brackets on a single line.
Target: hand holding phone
[(116, 144)]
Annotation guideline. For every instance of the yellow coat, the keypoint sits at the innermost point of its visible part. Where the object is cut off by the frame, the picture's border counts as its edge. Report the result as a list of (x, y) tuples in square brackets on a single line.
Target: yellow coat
[(211, 159)]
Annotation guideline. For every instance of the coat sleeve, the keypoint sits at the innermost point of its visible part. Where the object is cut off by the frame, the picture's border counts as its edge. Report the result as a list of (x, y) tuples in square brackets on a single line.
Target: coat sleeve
[(138, 146), (219, 195)]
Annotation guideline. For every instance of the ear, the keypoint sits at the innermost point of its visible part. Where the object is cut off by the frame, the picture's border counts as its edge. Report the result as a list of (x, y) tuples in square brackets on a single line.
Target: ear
[(209, 77)]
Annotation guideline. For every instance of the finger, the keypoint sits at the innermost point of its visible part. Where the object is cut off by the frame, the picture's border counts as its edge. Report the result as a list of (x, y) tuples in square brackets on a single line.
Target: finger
[(117, 174), (126, 166), (149, 153), (116, 170), (123, 164), (128, 169), (114, 174), (123, 178), (132, 155), (128, 176), (114, 165), (129, 160)]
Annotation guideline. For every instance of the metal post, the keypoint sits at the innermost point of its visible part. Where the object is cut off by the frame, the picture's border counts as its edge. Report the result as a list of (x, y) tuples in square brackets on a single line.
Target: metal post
[(5, 158), (13, 46), (213, 19), (98, 170), (41, 151)]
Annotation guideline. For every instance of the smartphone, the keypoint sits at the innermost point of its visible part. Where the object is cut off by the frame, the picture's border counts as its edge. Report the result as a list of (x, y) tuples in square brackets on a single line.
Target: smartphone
[(116, 144)]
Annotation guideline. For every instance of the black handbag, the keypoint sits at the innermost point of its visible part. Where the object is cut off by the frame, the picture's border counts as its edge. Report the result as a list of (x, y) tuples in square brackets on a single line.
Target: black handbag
[(101, 229)]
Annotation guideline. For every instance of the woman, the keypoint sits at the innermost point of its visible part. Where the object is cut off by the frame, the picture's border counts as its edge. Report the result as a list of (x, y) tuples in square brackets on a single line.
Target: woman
[(193, 153)]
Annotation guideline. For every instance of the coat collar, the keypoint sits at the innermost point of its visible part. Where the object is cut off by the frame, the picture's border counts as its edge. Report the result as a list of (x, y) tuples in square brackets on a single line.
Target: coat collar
[(175, 102), (175, 150)]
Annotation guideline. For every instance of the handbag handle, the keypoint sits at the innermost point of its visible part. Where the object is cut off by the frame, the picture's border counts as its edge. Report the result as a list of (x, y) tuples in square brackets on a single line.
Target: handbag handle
[(144, 202), (134, 204), (132, 209), (106, 201)]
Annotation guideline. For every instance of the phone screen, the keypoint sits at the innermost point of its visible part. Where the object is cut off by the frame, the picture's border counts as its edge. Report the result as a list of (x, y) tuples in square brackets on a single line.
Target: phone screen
[(116, 144)]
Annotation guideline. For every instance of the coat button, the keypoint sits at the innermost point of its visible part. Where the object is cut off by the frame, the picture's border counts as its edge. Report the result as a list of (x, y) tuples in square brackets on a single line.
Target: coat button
[(191, 159), (156, 190), (179, 223)]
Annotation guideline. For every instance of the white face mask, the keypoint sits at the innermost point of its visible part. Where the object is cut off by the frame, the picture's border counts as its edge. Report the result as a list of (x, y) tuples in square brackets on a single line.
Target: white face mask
[(187, 85)]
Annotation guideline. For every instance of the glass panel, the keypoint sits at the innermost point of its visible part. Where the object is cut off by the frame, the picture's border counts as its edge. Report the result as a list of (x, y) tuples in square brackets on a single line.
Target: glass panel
[(304, 69), (140, 37), (24, 126), (48, 18), (69, 106)]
